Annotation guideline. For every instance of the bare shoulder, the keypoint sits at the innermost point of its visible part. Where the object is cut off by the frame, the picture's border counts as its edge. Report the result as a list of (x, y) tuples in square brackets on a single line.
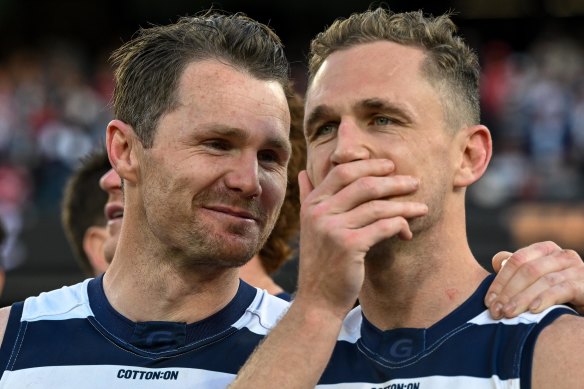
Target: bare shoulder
[(4, 314), (558, 360)]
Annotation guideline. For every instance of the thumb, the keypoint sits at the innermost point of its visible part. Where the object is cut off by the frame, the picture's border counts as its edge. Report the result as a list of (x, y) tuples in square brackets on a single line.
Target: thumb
[(499, 259), (305, 185)]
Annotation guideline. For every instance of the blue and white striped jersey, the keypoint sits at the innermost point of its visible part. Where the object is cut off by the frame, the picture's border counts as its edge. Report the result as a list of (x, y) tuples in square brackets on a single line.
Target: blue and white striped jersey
[(73, 338), (466, 349)]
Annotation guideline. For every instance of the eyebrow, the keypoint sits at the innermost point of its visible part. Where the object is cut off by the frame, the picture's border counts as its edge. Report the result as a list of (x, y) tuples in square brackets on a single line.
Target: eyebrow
[(274, 142), (323, 111), (385, 106), (317, 115)]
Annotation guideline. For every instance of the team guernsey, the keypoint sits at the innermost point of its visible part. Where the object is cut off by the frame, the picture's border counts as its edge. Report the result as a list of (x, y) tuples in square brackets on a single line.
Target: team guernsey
[(73, 338), (466, 349)]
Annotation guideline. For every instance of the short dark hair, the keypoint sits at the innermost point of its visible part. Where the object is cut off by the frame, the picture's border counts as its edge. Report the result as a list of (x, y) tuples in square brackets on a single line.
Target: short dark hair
[(450, 65), (83, 203), (148, 68), (277, 248)]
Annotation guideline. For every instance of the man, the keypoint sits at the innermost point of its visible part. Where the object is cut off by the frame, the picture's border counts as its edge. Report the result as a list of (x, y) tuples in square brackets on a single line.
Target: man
[(82, 213), (277, 248), (200, 141), (393, 141)]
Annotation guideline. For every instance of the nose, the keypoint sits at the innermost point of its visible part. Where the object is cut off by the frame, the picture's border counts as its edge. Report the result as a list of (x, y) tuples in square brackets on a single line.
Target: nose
[(351, 144), (110, 181), (243, 177)]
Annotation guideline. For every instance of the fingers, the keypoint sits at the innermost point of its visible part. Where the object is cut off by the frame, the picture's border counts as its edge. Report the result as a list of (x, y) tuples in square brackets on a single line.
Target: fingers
[(347, 174), (534, 278), (500, 259), (342, 217), (372, 211), (507, 273), (304, 185)]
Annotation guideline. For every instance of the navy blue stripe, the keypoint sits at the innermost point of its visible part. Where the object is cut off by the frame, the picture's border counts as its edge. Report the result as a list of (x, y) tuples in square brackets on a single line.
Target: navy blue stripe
[(76, 342), (10, 335), (177, 335)]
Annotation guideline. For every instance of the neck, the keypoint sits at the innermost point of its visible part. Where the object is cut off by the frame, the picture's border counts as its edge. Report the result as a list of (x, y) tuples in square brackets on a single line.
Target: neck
[(415, 284), (147, 281), (254, 274)]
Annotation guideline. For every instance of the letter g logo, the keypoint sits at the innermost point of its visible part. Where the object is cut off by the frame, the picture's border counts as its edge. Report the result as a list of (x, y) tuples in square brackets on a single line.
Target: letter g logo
[(401, 349)]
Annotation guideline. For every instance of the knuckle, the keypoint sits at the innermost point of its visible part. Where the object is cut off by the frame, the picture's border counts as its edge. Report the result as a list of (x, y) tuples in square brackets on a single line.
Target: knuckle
[(344, 172), (553, 279), (546, 246), (369, 185), (531, 270), (516, 260), (572, 255)]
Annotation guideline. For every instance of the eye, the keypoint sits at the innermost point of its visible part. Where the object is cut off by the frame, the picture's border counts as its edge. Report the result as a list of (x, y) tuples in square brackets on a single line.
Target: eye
[(382, 121), (218, 144), (269, 156), (324, 130)]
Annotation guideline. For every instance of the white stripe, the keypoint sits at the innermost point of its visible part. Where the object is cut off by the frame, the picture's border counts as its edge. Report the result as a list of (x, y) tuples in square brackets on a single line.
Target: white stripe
[(351, 330), (263, 313), (107, 376), (524, 318), (69, 302), (434, 382)]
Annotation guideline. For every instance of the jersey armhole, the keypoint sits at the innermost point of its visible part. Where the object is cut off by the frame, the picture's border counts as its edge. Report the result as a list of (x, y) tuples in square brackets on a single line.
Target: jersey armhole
[(10, 335), (527, 354)]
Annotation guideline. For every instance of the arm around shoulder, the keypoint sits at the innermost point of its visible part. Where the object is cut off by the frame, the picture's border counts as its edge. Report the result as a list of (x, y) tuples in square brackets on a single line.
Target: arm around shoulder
[(558, 360)]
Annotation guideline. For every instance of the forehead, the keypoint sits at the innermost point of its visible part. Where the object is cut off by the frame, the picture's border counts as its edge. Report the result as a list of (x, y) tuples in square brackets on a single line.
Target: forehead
[(212, 82), (212, 93), (379, 69)]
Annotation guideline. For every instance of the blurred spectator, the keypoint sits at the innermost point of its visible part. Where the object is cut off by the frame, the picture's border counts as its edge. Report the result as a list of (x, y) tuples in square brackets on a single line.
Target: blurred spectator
[(534, 101), (14, 193), (83, 215), (2, 239)]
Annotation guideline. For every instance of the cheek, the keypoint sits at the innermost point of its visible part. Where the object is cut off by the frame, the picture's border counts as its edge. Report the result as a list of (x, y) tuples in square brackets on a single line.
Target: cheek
[(273, 190)]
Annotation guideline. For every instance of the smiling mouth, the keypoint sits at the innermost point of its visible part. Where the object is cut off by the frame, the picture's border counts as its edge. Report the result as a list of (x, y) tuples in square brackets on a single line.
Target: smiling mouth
[(113, 211), (239, 213)]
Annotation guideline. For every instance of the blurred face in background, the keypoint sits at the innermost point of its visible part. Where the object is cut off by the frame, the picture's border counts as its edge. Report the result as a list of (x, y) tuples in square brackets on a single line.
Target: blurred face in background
[(114, 211)]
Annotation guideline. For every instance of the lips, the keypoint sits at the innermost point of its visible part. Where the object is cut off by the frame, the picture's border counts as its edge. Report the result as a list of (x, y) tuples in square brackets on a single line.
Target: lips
[(113, 211), (236, 212)]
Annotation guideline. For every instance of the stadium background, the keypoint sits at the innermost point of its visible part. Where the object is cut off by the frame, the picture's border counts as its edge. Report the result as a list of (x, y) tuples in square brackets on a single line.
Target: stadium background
[(55, 85)]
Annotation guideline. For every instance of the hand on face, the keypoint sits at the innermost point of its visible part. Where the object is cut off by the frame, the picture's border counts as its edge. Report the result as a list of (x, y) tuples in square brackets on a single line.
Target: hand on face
[(341, 219), (534, 278)]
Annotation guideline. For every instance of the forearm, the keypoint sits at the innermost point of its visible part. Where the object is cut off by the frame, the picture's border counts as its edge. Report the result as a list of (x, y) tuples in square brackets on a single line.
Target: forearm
[(295, 353)]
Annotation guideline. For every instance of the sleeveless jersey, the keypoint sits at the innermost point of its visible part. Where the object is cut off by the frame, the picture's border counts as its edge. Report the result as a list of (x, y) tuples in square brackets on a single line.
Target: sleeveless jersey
[(73, 338), (466, 349)]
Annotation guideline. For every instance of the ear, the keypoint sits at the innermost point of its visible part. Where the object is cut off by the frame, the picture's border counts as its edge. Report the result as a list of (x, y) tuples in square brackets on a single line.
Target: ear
[(122, 145), (93, 242), (477, 148)]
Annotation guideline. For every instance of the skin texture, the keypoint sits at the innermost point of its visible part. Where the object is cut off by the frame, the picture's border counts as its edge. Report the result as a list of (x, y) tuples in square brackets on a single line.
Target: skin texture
[(93, 244), (222, 154), (114, 211), (356, 199)]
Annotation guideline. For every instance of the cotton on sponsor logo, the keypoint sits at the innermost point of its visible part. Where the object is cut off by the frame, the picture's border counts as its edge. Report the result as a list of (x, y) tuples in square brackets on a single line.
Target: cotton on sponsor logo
[(147, 375), (415, 385)]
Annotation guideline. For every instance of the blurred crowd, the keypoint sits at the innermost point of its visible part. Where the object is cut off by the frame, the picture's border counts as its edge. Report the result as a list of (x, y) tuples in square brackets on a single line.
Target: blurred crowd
[(533, 102), (54, 109)]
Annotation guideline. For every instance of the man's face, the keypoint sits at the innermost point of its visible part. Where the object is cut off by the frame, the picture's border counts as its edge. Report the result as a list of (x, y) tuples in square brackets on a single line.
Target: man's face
[(111, 183), (371, 101), (214, 180)]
